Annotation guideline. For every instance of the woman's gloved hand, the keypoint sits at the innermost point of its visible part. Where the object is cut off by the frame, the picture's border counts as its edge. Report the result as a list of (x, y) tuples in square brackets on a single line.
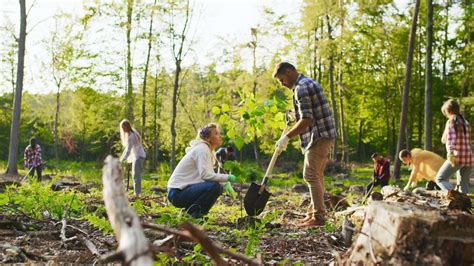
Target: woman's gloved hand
[(232, 178), (452, 160), (230, 191)]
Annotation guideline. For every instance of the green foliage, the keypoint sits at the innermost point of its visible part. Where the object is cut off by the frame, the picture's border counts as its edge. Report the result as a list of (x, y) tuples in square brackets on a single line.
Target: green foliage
[(100, 223), (38, 200), (254, 233), (197, 256), (251, 118)]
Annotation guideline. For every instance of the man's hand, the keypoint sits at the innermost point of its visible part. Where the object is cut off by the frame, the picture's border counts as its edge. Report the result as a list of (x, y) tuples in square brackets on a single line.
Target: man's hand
[(232, 178), (452, 160), (230, 191), (282, 143)]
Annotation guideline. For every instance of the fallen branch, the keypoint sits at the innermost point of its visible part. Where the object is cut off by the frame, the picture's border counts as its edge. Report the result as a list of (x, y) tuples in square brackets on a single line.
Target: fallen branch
[(134, 248), (64, 239), (188, 235), (14, 249), (205, 242), (17, 225), (349, 211), (90, 246), (78, 229)]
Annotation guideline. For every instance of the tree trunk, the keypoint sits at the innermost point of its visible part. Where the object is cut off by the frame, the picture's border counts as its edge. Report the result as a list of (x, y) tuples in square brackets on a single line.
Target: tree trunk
[(359, 139), (403, 116), (428, 77), (255, 85), (145, 74), (56, 124), (468, 76), (178, 57), (387, 115), (331, 87), (315, 54), (129, 93), (345, 154), (444, 55), (320, 61), (394, 133), (173, 116), (387, 125), (418, 92), (14, 132), (83, 138), (156, 137)]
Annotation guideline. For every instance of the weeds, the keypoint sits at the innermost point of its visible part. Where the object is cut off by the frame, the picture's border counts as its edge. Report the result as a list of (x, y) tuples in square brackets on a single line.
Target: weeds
[(39, 201), (100, 223)]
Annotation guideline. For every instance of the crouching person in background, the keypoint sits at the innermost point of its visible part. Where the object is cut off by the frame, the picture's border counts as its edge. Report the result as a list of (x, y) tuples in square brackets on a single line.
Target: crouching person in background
[(425, 165), (194, 185), (381, 174)]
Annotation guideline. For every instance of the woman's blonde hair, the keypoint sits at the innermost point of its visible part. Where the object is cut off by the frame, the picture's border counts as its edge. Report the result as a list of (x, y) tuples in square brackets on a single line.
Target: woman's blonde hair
[(123, 136), (205, 132)]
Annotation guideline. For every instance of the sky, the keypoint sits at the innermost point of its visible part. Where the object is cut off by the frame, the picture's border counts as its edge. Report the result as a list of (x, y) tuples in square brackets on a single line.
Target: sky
[(216, 21)]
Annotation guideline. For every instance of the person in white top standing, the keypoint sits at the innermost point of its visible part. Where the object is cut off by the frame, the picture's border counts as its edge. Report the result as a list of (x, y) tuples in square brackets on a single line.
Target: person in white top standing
[(133, 153), (194, 185)]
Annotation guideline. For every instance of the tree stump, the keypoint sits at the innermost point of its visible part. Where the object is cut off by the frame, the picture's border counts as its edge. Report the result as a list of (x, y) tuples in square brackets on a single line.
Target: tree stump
[(405, 234)]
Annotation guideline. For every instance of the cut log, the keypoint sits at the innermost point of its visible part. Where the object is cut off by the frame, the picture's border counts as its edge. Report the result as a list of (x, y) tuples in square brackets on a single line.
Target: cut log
[(134, 247), (398, 233)]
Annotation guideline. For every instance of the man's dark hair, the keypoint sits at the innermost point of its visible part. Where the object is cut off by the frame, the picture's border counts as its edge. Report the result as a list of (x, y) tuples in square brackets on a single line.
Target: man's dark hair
[(33, 142), (374, 155), (404, 153), (282, 67), (229, 149)]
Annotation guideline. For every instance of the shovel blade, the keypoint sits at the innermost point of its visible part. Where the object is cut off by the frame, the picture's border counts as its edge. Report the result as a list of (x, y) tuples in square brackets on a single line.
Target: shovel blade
[(255, 202)]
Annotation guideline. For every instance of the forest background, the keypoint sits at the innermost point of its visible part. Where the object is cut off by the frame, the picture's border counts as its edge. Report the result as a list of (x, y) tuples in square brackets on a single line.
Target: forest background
[(134, 59)]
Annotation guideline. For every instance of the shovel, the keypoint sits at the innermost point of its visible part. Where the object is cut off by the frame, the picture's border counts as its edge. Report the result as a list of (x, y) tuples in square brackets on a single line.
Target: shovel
[(257, 196), (27, 174)]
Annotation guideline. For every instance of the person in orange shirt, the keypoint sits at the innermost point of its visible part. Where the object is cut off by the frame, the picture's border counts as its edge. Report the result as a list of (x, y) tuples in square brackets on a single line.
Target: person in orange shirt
[(425, 165)]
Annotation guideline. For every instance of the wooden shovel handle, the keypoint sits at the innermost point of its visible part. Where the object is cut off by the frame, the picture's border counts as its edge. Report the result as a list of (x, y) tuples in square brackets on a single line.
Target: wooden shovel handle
[(271, 164)]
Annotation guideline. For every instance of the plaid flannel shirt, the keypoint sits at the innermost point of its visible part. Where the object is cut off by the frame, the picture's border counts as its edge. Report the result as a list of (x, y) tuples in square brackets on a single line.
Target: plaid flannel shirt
[(459, 141), (309, 101), (32, 155)]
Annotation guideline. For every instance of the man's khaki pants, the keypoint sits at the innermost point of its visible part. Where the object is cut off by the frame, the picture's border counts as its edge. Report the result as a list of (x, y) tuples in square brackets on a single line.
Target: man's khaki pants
[(315, 160)]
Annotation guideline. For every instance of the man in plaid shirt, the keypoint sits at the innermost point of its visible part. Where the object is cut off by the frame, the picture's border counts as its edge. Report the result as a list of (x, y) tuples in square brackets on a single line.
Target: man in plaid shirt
[(32, 158), (315, 126), (457, 137)]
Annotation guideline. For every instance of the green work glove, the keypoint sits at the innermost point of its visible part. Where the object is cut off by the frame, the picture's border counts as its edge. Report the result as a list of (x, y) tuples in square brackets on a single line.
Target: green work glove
[(230, 191), (232, 178)]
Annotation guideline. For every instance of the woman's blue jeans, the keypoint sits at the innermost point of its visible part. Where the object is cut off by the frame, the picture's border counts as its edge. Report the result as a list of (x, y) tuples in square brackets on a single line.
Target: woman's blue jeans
[(197, 199), (463, 174)]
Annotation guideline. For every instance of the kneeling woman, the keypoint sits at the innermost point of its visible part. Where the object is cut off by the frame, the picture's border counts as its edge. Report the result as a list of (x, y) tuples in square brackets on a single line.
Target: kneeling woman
[(194, 185)]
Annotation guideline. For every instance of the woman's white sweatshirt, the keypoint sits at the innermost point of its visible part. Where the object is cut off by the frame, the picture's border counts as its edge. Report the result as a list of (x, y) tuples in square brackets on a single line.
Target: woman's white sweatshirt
[(195, 167)]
